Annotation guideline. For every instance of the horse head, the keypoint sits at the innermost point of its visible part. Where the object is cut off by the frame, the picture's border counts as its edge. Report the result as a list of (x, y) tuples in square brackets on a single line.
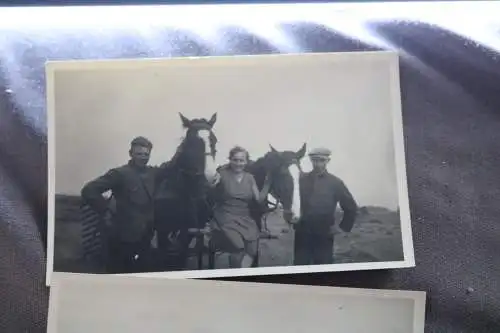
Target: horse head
[(199, 145), (284, 182)]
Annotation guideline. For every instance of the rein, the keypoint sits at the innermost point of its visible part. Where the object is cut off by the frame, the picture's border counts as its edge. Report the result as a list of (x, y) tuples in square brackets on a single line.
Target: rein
[(266, 214)]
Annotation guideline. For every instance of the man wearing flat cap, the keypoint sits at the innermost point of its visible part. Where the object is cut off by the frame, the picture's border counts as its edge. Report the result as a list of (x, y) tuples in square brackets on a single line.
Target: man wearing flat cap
[(320, 194), (132, 186)]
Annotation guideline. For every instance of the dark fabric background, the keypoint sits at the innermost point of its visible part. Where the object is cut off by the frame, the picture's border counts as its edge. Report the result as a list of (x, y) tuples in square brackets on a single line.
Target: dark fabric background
[(451, 104)]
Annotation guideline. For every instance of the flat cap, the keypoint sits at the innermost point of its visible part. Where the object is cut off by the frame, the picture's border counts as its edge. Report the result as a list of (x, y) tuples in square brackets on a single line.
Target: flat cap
[(325, 152), (141, 141)]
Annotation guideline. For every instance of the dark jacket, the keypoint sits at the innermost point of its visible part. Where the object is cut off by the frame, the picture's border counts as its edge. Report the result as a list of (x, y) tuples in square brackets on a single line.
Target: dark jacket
[(133, 191), (333, 193)]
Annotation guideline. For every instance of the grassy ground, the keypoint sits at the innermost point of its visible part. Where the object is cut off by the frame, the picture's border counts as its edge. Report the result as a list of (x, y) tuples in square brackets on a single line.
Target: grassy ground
[(375, 237)]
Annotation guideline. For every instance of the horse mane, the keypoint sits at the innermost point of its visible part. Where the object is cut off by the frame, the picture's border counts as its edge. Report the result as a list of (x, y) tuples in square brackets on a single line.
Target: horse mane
[(270, 161), (177, 161), (260, 167), (175, 158)]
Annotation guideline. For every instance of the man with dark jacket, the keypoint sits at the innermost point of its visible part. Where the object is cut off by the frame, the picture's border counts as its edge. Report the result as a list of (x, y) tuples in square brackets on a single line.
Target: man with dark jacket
[(320, 193), (133, 188)]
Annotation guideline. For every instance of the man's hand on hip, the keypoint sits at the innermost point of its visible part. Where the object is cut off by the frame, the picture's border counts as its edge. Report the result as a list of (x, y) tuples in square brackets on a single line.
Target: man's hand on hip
[(336, 230)]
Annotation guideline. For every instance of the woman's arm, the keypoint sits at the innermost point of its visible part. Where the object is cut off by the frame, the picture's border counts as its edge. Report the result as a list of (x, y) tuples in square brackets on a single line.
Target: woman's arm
[(260, 196), (214, 180)]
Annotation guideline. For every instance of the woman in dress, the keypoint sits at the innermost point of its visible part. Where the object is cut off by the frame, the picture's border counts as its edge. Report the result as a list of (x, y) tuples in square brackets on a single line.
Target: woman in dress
[(234, 230)]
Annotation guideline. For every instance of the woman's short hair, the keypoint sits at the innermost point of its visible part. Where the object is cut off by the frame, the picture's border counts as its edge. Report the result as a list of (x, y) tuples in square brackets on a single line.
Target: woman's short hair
[(238, 149)]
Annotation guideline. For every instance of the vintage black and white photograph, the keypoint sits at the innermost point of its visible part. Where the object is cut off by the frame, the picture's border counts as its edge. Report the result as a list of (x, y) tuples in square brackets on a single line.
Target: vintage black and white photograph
[(227, 166), (99, 303)]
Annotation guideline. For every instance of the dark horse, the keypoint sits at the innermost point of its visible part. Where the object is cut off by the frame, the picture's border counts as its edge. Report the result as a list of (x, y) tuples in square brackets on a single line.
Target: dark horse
[(277, 164), (181, 200)]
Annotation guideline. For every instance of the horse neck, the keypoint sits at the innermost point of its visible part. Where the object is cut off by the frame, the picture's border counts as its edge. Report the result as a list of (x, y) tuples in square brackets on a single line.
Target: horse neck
[(259, 170)]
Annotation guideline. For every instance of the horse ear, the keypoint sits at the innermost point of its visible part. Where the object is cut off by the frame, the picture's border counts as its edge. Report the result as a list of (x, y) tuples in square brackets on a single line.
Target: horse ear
[(272, 149), (302, 151), (212, 120), (185, 122)]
